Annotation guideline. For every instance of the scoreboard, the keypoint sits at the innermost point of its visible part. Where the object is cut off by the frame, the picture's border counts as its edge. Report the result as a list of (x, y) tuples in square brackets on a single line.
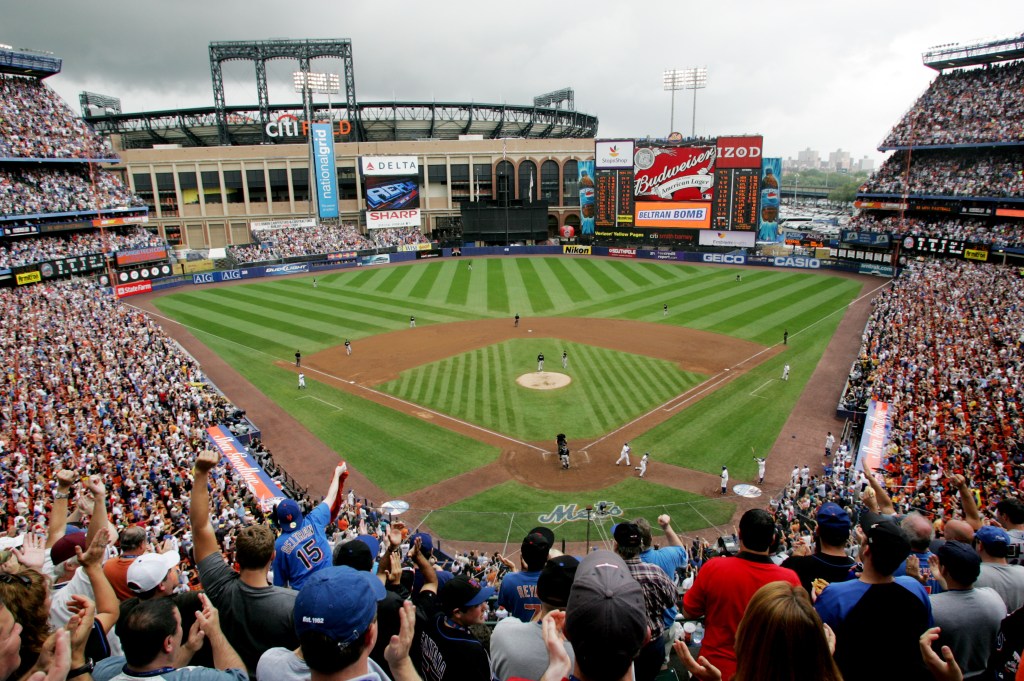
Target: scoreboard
[(614, 194), (736, 194)]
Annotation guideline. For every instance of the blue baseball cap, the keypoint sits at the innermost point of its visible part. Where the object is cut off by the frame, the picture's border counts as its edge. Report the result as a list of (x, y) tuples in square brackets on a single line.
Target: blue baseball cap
[(990, 536), (339, 602), (833, 516), (289, 515)]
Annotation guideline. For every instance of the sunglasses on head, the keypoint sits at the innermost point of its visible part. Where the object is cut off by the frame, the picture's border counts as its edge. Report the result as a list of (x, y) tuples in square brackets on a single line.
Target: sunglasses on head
[(8, 578)]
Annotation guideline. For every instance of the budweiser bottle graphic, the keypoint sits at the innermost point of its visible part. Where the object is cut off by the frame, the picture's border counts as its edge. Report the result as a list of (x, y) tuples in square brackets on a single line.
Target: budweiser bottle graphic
[(769, 197)]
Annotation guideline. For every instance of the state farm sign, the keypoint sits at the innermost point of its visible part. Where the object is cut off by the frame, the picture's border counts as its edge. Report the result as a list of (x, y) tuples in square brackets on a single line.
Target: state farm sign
[(134, 289), (739, 152)]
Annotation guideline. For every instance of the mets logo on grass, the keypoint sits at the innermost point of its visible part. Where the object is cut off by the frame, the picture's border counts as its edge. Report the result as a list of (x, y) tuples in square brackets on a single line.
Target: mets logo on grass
[(576, 250), (566, 513)]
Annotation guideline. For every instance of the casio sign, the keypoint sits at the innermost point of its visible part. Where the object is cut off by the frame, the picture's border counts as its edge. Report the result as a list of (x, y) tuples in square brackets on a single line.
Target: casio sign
[(204, 278), (797, 261), (725, 258)]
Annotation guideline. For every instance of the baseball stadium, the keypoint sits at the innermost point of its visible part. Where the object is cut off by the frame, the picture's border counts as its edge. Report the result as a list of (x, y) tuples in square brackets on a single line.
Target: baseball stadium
[(435, 293)]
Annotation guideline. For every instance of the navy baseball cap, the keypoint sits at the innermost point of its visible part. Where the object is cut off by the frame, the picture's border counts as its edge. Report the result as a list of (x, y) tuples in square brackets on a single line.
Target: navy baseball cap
[(339, 602), (627, 534), (463, 592), (426, 543), (289, 515), (833, 516)]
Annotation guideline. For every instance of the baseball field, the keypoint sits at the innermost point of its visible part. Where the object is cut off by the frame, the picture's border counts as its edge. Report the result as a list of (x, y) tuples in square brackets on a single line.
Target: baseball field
[(434, 415)]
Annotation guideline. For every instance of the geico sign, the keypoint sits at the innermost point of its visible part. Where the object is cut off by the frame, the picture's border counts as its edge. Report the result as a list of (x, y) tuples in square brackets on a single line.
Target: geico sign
[(725, 258), (288, 125), (797, 261)]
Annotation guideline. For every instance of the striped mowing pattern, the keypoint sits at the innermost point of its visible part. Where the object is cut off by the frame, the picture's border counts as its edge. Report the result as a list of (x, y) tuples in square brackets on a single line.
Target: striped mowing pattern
[(609, 388)]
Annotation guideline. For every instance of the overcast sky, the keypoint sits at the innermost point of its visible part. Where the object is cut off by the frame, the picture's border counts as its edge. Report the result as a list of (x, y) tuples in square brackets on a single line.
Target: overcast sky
[(809, 73)]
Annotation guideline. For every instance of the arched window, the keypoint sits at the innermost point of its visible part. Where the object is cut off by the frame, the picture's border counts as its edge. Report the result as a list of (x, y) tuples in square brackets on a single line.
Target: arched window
[(528, 175), (549, 183), (570, 183), (504, 177)]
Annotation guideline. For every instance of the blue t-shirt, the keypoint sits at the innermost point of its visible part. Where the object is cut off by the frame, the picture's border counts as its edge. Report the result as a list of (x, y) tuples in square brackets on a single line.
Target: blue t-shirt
[(304, 551), (931, 584), (518, 594), (112, 669), (668, 558)]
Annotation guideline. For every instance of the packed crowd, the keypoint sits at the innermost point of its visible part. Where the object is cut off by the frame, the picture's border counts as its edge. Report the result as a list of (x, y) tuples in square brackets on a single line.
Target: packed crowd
[(25, 251), (970, 230), (34, 190), (984, 173), (36, 123), (966, 107), (321, 239)]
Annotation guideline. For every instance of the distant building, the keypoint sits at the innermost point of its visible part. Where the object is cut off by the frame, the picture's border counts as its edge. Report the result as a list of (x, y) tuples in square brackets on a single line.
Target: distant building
[(808, 159), (839, 160)]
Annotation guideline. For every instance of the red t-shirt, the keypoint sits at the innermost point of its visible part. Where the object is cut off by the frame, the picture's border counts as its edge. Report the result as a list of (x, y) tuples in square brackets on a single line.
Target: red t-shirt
[(720, 593)]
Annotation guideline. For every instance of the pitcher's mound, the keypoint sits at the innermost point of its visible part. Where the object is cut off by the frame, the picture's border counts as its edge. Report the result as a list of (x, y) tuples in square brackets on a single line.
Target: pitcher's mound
[(543, 380)]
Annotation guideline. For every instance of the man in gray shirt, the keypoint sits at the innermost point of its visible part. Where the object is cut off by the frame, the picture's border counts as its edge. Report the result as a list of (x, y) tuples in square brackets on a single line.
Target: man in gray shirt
[(969, 617), (258, 615), (993, 543), (517, 647)]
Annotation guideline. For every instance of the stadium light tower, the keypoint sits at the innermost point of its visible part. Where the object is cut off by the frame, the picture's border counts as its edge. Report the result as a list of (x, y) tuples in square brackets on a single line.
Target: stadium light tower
[(695, 78), (673, 80), (319, 83)]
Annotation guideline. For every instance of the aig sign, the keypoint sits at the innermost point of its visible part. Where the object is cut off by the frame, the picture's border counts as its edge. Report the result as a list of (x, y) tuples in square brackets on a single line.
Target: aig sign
[(288, 125)]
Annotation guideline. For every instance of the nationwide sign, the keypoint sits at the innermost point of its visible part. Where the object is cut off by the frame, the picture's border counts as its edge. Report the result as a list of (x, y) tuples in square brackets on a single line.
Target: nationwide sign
[(673, 173), (613, 154), (690, 215)]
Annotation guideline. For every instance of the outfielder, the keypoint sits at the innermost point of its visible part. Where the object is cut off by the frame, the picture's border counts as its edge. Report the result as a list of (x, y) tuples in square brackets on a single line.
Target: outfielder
[(785, 373), (643, 464), (302, 380), (624, 455)]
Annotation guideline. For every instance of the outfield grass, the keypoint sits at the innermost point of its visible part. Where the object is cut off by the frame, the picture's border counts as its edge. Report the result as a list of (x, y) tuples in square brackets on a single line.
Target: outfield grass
[(252, 325), (608, 388), (484, 517)]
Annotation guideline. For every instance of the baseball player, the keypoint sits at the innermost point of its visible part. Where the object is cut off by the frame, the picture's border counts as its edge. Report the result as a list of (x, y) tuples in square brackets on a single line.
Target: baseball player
[(565, 359), (348, 347), (540, 362), (303, 548), (302, 380), (563, 450), (412, 322), (830, 442), (298, 358), (624, 455), (760, 469), (643, 464), (725, 479), (517, 320), (664, 310), (314, 282), (785, 373)]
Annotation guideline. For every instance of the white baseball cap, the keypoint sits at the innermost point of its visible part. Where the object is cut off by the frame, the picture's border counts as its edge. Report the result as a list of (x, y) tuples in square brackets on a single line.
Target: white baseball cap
[(149, 570)]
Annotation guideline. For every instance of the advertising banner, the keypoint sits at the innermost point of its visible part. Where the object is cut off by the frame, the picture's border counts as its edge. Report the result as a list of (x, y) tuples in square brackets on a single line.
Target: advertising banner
[(576, 250), (739, 152), (114, 222), (379, 259), (874, 437), (588, 197), (190, 266), (291, 268), (383, 219), (622, 252), (684, 215), (346, 255), (268, 225), (148, 272), (673, 173), (321, 139), (870, 239), (613, 154), (133, 289), (422, 246), (20, 230), (975, 254), (392, 191), (259, 483), (389, 165), (710, 237), (216, 277), (32, 277), (771, 180), (137, 255)]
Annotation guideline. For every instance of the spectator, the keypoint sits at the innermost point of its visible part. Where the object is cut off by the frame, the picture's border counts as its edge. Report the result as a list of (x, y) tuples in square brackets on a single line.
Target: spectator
[(154, 643), (921, 534), (968, 617), (829, 562), (518, 592), (261, 614), (133, 543), (670, 558), (303, 548), (992, 544), (878, 607), (517, 648), (724, 587)]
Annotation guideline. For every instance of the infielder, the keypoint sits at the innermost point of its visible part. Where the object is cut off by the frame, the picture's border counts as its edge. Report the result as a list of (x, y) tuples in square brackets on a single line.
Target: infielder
[(643, 464), (565, 359), (760, 469), (348, 347), (785, 373), (664, 310), (412, 322), (725, 479), (302, 380), (540, 362), (623, 455), (517, 320)]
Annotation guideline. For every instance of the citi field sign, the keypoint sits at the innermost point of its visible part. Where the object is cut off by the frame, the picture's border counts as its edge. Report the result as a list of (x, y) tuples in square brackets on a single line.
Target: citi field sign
[(289, 125)]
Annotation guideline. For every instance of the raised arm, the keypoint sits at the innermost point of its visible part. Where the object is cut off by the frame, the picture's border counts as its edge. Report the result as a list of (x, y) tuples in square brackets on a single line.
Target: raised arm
[(204, 539), (885, 505), (971, 514), (224, 656), (665, 521), (59, 511), (107, 606), (332, 498), (98, 521), (424, 566)]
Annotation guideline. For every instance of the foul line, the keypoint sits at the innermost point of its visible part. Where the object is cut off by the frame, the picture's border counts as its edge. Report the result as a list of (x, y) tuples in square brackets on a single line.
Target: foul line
[(310, 397), (753, 393)]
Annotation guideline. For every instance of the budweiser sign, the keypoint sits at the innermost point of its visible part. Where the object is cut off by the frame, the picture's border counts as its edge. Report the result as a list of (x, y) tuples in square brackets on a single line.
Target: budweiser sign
[(674, 173), (133, 289)]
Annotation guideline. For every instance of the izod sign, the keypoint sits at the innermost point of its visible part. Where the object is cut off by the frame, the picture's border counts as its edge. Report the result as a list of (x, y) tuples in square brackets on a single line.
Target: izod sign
[(739, 152), (289, 125)]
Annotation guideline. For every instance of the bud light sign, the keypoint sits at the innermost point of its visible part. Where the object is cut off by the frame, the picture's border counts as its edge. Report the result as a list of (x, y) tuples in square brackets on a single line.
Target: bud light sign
[(325, 175)]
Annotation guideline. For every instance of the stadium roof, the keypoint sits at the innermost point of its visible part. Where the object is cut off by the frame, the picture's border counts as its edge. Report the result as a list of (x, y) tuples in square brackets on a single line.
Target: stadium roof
[(381, 122), (955, 55)]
